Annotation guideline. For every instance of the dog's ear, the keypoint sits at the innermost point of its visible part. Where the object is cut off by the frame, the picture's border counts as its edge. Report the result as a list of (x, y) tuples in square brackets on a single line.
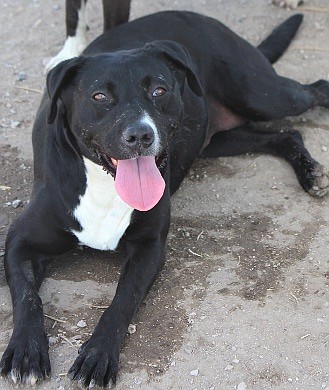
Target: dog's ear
[(177, 55), (57, 79)]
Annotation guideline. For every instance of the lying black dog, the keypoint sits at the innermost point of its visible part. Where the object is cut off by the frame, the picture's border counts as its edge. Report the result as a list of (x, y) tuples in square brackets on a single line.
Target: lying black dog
[(114, 139)]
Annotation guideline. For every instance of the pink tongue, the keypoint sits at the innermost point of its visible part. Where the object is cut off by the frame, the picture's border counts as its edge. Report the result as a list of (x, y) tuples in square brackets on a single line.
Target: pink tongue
[(139, 182)]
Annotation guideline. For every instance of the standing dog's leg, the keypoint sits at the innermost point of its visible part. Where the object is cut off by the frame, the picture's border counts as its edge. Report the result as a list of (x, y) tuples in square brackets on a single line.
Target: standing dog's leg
[(289, 145), (115, 12), (26, 358), (76, 29)]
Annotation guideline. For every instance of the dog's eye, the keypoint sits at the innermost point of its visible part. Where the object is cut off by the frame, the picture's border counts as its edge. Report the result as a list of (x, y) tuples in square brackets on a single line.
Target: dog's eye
[(160, 91), (100, 97)]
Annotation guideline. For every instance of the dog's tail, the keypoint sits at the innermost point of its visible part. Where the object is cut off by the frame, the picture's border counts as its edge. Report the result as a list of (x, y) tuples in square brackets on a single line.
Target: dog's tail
[(277, 42)]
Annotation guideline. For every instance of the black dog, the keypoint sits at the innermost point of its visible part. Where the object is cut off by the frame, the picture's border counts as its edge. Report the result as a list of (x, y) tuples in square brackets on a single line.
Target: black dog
[(114, 139), (115, 12)]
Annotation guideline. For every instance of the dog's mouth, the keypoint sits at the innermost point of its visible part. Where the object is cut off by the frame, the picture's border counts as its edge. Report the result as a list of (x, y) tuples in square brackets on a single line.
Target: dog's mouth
[(138, 180), (110, 164)]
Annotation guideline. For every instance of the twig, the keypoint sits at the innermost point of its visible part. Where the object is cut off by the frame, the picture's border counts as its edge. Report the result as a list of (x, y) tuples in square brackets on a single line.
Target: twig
[(66, 339), (193, 253), (304, 337), (28, 89), (54, 319), (311, 49), (97, 307), (313, 9), (294, 296), (198, 238)]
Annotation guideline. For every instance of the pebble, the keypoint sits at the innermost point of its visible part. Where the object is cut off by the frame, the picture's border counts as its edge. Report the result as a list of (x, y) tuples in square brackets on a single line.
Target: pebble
[(241, 386), (132, 329), (53, 340), (21, 76), (17, 203), (15, 124), (81, 324), (324, 148), (195, 372), (229, 367)]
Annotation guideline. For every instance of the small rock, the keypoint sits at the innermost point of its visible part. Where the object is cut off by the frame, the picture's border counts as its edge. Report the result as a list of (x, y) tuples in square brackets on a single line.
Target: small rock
[(324, 148), (132, 329), (17, 203), (15, 124), (241, 386), (81, 324), (229, 367), (53, 340), (195, 372), (21, 76)]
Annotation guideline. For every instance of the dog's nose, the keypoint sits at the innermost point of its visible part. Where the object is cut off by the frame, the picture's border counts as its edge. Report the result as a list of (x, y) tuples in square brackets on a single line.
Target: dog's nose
[(142, 135)]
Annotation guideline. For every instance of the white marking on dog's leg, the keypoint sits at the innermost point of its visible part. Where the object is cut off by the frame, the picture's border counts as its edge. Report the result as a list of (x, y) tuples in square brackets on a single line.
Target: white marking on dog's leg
[(147, 120), (73, 45)]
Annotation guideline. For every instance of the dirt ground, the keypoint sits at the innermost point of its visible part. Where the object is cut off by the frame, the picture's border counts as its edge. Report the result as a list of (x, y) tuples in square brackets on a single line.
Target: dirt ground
[(243, 300)]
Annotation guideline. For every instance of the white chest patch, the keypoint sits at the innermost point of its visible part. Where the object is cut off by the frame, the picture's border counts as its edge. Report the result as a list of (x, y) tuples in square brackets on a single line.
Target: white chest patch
[(102, 214)]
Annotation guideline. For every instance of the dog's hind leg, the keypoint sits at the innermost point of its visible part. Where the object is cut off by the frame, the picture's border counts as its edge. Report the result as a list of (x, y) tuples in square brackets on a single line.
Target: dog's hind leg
[(312, 176), (265, 98), (242, 79)]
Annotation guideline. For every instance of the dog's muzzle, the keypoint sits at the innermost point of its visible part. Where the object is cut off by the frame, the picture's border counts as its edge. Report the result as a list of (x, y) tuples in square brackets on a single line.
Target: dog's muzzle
[(138, 180)]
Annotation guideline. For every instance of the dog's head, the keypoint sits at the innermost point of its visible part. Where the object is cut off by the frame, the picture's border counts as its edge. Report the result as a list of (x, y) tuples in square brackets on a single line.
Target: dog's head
[(123, 108)]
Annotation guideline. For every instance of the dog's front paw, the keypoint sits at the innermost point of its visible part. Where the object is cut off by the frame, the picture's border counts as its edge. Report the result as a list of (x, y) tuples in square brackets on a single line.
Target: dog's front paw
[(320, 181), (97, 363), (26, 359)]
